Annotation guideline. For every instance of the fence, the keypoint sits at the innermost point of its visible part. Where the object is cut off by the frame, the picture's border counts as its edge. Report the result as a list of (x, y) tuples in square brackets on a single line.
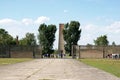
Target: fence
[(95, 51), (4, 51), (20, 51), (77, 51)]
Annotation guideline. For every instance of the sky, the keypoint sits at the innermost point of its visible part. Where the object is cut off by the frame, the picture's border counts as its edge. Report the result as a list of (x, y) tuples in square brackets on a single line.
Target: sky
[(97, 17)]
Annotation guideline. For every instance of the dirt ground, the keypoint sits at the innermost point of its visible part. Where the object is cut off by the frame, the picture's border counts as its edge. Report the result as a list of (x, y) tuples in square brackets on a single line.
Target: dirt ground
[(53, 69)]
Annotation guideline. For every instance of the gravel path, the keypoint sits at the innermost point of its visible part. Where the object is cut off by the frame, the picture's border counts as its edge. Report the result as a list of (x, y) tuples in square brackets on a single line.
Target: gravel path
[(53, 69)]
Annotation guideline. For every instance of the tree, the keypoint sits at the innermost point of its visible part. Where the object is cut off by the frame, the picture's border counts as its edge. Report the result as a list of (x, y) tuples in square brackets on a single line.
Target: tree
[(113, 43), (28, 40), (5, 37), (71, 34), (46, 37), (89, 46), (101, 41), (23, 42)]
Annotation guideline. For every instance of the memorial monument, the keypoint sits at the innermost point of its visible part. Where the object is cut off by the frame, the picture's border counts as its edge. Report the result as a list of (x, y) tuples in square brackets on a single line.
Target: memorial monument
[(61, 41)]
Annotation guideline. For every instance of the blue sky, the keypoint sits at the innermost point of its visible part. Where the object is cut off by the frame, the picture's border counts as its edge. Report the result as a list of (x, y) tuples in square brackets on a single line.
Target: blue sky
[(97, 17)]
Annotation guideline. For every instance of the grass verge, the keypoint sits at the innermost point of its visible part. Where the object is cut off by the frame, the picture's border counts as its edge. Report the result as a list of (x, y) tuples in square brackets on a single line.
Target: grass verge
[(109, 65), (6, 61)]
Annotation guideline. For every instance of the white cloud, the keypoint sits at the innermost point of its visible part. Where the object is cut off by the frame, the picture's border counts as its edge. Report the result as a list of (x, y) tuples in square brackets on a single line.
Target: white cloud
[(90, 32), (41, 19), (21, 27), (8, 21), (104, 19), (114, 27), (90, 27), (27, 21)]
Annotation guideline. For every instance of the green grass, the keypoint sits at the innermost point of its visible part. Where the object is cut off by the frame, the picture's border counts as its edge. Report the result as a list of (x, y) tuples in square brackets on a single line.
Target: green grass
[(67, 56), (6, 61), (109, 65)]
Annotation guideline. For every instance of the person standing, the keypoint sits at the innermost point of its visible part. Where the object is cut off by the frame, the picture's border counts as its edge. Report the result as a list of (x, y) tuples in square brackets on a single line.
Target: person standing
[(61, 54)]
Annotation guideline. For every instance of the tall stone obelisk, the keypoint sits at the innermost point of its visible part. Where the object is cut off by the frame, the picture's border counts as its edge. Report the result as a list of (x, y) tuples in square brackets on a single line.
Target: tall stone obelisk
[(61, 39)]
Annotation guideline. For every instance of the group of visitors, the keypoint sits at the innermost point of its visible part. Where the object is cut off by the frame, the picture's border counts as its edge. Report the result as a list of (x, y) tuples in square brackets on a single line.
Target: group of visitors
[(59, 55), (113, 56)]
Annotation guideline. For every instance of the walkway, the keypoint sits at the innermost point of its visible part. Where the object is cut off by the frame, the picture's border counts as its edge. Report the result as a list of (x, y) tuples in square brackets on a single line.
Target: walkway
[(53, 69)]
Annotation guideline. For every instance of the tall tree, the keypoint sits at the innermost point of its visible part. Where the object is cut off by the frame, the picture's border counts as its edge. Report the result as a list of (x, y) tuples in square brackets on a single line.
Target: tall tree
[(46, 37), (30, 37), (5, 37), (101, 41), (71, 33), (28, 40), (113, 43)]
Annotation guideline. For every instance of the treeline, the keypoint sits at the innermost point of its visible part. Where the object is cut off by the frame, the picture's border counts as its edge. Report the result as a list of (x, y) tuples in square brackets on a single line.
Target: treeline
[(7, 39), (102, 41), (46, 37)]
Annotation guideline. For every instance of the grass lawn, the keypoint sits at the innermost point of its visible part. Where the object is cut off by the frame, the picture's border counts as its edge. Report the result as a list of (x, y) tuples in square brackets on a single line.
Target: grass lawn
[(109, 65), (5, 61), (67, 56)]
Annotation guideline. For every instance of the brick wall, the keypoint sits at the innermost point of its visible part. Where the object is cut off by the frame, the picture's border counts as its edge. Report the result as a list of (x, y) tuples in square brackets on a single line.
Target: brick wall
[(21, 54), (91, 53), (95, 51)]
